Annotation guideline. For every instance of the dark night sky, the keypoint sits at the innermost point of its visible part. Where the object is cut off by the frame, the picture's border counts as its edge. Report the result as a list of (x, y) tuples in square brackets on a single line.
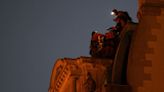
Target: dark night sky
[(34, 33)]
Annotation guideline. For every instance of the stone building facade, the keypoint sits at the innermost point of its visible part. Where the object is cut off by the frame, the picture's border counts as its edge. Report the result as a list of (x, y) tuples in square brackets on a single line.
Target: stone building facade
[(145, 64), (83, 74), (145, 61)]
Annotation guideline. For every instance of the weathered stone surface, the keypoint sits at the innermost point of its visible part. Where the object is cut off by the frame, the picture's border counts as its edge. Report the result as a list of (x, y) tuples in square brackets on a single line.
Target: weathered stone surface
[(71, 75), (145, 64)]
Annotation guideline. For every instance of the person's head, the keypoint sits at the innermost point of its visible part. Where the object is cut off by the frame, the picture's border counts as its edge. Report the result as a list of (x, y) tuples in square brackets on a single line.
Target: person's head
[(114, 12), (93, 33), (122, 18)]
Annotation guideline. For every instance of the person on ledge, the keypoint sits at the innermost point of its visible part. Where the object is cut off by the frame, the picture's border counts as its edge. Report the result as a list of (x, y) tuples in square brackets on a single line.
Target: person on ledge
[(104, 45), (126, 27)]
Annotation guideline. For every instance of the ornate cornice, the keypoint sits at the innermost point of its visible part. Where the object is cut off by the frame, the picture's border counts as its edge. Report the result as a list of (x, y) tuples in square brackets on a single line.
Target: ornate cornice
[(73, 68)]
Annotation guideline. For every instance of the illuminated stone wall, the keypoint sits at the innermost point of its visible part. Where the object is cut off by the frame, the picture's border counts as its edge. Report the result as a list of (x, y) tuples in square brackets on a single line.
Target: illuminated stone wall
[(71, 75), (146, 59), (145, 72)]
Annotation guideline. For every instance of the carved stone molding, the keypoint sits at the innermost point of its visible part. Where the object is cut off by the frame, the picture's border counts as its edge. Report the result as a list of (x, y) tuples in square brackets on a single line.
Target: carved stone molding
[(68, 72)]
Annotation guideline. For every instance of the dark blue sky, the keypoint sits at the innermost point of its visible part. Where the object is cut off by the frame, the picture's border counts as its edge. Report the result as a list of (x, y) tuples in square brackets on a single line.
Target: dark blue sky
[(34, 33)]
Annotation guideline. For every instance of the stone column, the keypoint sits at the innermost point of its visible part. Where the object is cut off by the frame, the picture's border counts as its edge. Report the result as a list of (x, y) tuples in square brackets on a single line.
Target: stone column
[(73, 86)]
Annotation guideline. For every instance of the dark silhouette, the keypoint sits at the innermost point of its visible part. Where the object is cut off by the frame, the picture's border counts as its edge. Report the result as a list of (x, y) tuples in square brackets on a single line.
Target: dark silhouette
[(90, 84)]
